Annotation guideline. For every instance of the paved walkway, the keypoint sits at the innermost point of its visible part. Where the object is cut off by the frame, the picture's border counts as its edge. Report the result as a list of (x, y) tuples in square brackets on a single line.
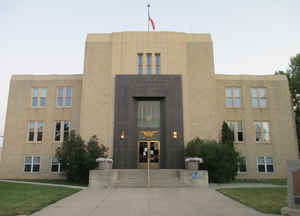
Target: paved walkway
[(245, 185), (45, 184), (148, 202)]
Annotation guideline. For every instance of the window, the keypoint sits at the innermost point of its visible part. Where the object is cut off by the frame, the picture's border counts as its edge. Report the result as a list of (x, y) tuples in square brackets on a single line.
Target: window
[(262, 131), (140, 67), (233, 97), (31, 164), (237, 128), (35, 131), (265, 164), (38, 98), (62, 130), (64, 97), (242, 164), (149, 59), (55, 165), (157, 63), (259, 99)]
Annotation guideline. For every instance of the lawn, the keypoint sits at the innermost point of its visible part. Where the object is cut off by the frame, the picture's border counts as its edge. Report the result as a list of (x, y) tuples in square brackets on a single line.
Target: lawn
[(52, 181), (18, 199), (266, 200), (262, 181)]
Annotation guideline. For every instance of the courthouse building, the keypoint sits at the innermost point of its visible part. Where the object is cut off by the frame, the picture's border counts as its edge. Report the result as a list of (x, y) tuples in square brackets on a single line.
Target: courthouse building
[(148, 94)]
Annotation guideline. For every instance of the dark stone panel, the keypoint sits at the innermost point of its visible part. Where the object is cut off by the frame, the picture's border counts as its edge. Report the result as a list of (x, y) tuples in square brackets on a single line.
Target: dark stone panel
[(128, 90)]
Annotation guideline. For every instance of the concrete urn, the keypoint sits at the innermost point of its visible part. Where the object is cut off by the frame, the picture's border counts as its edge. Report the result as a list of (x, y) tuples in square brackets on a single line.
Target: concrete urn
[(104, 163), (192, 163)]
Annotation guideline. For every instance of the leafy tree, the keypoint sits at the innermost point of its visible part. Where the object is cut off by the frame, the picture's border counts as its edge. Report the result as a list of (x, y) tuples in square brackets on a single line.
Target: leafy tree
[(77, 158), (293, 75), (220, 160), (227, 135)]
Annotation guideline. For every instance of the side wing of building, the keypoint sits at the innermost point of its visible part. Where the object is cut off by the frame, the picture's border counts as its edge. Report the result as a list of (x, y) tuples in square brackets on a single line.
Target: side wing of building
[(41, 110), (258, 109)]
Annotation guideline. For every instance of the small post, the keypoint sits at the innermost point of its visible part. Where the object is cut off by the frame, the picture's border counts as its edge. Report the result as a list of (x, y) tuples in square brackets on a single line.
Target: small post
[(148, 17), (148, 158)]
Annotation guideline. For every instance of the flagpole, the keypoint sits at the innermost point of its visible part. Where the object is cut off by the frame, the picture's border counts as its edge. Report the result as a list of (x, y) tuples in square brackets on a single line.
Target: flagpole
[(148, 17)]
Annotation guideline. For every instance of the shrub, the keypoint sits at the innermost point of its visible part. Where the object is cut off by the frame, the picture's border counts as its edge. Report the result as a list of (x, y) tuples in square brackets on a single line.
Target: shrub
[(219, 160), (77, 158)]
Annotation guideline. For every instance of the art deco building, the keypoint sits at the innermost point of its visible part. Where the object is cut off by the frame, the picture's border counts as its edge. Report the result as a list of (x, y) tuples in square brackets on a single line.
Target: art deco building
[(148, 93)]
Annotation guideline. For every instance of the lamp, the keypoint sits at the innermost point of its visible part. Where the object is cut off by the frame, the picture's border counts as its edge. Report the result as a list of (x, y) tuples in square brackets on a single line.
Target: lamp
[(175, 134), (122, 135)]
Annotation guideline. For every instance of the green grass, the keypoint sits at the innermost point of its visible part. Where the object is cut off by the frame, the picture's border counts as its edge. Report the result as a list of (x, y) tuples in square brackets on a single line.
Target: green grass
[(18, 198), (262, 181), (266, 200), (52, 181)]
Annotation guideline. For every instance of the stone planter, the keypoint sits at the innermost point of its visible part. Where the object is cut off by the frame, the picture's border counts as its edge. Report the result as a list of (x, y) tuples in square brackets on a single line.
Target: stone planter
[(104, 163), (192, 163)]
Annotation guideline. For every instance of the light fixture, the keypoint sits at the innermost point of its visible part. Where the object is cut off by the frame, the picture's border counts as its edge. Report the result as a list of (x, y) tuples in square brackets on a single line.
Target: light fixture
[(175, 134), (122, 135)]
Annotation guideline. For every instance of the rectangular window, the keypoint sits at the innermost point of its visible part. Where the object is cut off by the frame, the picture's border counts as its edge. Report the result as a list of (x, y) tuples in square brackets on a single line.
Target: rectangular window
[(40, 131), (68, 101), (57, 131), (35, 95), (60, 96), (259, 97), (64, 97), (38, 98), (62, 130), (242, 164), (140, 66), (32, 164), (149, 60), (43, 95), (157, 62), (265, 164), (55, 165), (35, 131), (237, 129), (233, 97), (31, 131), (66, 129), (262, 131)]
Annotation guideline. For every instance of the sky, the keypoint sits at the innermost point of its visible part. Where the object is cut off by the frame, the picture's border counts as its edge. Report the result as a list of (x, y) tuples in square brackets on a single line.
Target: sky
[(48, 37)]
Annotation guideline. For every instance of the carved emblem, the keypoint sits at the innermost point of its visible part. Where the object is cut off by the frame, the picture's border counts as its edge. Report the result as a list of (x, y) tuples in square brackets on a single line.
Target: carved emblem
[(148, 134)]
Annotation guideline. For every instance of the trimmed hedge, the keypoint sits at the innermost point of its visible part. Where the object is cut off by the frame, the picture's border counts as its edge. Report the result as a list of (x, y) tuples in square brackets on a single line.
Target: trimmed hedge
[(220, 160)]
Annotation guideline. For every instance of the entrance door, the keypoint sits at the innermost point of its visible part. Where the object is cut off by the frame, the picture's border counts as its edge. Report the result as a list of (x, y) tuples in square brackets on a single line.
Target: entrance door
[(148, 152)]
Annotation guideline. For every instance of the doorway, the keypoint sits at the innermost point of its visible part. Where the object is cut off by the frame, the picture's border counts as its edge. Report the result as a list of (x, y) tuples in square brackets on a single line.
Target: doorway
[(148, 152)]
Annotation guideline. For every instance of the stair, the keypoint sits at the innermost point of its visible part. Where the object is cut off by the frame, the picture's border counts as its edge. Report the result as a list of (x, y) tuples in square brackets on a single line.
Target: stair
[(134, 178), (131, 178), (166, 178)]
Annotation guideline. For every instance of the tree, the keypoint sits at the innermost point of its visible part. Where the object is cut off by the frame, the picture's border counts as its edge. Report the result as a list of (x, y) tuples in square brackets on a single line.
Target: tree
[(227, 135), (77, 158), (293, 75)]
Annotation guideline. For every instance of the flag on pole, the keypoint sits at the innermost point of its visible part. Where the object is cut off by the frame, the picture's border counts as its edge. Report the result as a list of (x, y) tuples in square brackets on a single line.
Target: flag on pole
[(152, 23), (150, 19)]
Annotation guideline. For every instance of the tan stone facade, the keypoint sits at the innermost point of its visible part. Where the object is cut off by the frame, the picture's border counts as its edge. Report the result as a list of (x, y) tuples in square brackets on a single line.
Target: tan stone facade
[(203, 96)]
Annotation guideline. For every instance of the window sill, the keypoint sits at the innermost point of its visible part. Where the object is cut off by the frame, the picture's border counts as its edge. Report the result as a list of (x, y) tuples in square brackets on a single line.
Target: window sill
[(263, 143), (233, 108), (31, 172), (44, 107), (28, 142), (64, 107), (266, 173)]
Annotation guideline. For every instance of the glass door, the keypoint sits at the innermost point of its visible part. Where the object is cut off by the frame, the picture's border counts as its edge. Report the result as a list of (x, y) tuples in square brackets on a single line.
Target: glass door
[(148, 152)]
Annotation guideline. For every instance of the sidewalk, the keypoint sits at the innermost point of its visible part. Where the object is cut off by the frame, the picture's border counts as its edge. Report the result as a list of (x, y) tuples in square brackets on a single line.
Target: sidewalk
[(148, 202)]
